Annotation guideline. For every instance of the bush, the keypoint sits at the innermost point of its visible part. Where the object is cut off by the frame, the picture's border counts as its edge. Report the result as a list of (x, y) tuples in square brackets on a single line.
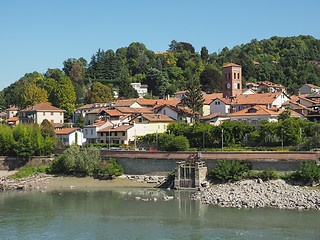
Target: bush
[(269, 174), (27, 171), (112, 169), (309, 171), (77, 161), (229, 170)]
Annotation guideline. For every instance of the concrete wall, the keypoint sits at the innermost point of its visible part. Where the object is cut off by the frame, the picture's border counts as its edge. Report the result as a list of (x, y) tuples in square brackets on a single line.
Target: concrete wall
[(11, 163)]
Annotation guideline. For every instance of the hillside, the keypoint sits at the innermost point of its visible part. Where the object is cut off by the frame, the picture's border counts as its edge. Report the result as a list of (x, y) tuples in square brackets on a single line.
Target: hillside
[(290, 61)]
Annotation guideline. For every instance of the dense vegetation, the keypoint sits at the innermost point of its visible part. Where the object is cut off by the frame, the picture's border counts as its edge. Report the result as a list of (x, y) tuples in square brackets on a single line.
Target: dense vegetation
[(83, 162), (266, 136), (227, 170), (26, 140), (282, 60)]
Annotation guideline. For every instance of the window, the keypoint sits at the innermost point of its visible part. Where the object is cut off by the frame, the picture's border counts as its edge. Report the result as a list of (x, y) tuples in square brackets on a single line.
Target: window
[(229, 75), (60, 121), (124, 133), (238, 75), (102, 134), (44, 113), (51, 113), (51, 121), (91, 131), (86, 131), (164, 112), (234, 75), (116, 133), (238, 85), (60, 113)]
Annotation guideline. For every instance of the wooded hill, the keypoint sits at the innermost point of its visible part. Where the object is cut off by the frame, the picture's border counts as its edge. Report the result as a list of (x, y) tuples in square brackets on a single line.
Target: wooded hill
[(290, 61)]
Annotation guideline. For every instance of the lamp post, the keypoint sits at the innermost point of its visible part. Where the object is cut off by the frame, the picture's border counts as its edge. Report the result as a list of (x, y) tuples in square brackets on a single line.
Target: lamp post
[(222, 139)]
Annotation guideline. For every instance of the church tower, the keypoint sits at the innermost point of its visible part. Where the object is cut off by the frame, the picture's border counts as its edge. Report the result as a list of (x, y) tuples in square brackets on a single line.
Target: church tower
[(231, 80)]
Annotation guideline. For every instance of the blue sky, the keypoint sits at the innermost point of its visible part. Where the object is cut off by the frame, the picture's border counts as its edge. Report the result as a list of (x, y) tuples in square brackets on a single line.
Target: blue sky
[(37, 35)]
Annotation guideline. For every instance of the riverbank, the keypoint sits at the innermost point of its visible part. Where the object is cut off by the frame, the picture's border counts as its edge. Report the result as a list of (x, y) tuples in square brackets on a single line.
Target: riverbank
[(257, 193), (51, 182)]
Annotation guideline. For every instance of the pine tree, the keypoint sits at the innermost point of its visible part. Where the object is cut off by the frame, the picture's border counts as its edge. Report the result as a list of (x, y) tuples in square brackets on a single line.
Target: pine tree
[(193, 96), (125, 88)]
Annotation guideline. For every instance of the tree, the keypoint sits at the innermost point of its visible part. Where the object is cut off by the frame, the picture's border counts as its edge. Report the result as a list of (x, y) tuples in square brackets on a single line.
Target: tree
[(99, 93), (204, 54), (33, 95), (193, 97), (125, 88), (211, 80), (157, 82)]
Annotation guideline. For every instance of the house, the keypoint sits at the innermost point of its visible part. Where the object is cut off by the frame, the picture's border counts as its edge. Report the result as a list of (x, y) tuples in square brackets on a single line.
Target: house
[(92, 116), (90, 132), (309, 100), (178, 113), (220, 105), (276, 99), (253, 115), (40, 112), (127, 103), (14, 121), (252, 86), (142, 90), (114, 134), (150, 123), (309, 88), (11, 112), (271, 87), (207, 101), (69, 136), (248, 91), (215, 118), (111, 115), (83, 110)]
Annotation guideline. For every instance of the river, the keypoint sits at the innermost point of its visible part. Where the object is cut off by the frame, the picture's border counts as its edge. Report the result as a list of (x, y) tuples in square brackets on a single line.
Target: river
[(117, 214)]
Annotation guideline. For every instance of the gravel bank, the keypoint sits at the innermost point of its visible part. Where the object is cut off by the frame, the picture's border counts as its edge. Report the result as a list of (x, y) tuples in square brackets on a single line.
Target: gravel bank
[(257, 193), (27, 183)]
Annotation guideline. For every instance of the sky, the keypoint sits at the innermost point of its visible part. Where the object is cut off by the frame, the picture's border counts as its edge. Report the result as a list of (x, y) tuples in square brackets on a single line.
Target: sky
[(36, 35)]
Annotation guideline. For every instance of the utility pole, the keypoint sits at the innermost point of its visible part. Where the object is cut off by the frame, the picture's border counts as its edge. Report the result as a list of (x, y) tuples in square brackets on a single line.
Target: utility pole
[(157, 140), (109, 141), (300, 140), (222, 139), (281, 137)]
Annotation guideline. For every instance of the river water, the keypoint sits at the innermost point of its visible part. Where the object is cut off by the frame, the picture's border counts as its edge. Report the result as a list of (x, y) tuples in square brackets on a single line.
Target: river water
[(116, 214)]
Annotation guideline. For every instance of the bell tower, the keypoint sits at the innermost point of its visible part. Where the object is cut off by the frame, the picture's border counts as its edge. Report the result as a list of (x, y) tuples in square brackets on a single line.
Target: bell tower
[(231, 80)]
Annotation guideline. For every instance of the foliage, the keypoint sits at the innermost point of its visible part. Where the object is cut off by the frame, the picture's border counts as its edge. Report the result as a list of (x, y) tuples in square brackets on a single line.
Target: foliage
[(269, 174), (309, 171), (27, 171), (167, 142), (77, 161), (33, 95), (229, 170), (125, 88), (99, 93), (112, 169)]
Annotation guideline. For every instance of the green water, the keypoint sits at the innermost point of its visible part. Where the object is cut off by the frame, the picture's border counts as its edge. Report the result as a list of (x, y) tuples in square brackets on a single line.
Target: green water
[(116, 214)]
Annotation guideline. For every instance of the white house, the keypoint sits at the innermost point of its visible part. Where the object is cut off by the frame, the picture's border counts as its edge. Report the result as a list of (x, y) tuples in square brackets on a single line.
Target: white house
[(69, 136), (90, 131), (142, 90), (220, 105)]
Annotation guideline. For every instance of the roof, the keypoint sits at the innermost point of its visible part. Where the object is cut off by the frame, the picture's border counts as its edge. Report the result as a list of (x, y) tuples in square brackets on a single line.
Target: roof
[(129, 110), (113, 113), (211, 116), (13, 119), (224, 100), (157, 118), (124, 103), (42, 107), (270, 84), (95, 111), (121, 128), (87, 106), (178, 109), (255, 99), (209, 97), (65, 131), (144, 86), (231, 65), (97, 123), (13, 108), (260, 110), (312, 86), (313, 95), (57, 125)]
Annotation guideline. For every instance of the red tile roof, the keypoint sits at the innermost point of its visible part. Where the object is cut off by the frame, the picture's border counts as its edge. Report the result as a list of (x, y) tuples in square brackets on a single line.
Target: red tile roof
[(113, 113), (87, 106), (157, 118), (209, 97), (121, 128), (255, 99), (65, 131), (269, 84), (13, 108), (259, 110), (13, 119), (42, 107)]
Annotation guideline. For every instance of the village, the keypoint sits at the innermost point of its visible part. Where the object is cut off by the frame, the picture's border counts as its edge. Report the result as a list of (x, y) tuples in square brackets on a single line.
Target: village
[(123, 120)]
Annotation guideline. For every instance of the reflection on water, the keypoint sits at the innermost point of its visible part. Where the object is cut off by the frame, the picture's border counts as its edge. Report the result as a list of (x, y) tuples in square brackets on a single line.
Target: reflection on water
[(117, 214)]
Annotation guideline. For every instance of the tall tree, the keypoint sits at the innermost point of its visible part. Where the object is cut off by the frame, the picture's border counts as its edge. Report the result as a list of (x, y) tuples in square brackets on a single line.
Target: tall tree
[(157, 82), (204, 54), (125, 88), (99, 93), (33, 95), (211, 80), (193, 96)]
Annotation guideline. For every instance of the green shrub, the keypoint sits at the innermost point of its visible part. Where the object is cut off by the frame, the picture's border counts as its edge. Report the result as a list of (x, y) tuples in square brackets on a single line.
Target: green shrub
[(309, 171), (112, 169), (269, 174), (77, 161), (229, 170), (28, 171)]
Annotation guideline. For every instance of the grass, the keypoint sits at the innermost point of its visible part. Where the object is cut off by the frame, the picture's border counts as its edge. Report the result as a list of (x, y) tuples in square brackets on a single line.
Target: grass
[(28, 171)]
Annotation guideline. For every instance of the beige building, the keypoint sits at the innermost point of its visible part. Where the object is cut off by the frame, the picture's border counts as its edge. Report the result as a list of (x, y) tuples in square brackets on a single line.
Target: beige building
[(11, 112), (40, 112), (122, 134)]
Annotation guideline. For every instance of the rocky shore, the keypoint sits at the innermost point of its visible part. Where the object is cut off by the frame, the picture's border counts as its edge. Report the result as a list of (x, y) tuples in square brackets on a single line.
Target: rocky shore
[(257, 193), (27, 183)]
